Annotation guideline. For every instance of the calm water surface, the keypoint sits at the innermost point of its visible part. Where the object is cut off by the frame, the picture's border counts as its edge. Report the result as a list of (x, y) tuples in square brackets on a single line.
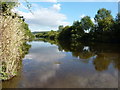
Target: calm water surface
[(48, 66)]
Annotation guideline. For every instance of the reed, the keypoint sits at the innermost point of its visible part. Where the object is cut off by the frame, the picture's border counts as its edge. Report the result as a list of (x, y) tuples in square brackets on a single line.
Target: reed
[(12, 38)]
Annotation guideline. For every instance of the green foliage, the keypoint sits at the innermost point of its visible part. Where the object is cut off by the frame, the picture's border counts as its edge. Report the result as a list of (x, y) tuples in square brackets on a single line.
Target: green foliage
[(60, 28), (104, 19), (86, 23), (14, 36), (28, 33), (76, 24), (105, 29), (77, 28), (50, 35), (6, 6), (65, 34)]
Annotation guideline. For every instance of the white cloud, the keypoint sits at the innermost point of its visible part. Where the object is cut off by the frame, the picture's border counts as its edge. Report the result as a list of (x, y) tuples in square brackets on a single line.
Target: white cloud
[(45, 18), (56, 6)]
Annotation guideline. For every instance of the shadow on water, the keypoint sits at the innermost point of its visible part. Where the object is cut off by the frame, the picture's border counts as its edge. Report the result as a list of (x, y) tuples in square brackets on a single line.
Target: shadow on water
[(64, 64)]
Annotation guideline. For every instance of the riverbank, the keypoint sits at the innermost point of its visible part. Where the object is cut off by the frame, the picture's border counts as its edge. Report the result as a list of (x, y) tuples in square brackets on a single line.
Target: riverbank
[(13, 35)]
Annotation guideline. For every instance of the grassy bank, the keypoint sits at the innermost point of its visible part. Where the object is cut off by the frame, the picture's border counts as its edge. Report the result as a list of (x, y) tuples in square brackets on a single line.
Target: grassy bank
[(13, 35)]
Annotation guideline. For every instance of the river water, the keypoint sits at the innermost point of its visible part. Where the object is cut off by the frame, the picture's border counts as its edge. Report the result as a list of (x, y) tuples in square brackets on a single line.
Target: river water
[(52, 66)]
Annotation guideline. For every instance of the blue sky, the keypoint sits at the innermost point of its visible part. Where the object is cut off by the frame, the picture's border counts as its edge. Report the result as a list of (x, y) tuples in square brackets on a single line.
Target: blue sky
[(48, 16), (74, 10)]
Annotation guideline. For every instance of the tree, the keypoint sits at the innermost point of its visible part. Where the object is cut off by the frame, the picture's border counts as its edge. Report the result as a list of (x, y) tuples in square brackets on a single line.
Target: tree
[(117, 22), (86, 23), (76, 24), (77, 29), (6, 6), (118, 17), (116, 29), (65, 34), (104, 19), (60, 28)]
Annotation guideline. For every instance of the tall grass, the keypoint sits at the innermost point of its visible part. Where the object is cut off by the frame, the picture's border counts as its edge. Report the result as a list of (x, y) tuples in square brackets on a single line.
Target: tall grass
[(12, 38)]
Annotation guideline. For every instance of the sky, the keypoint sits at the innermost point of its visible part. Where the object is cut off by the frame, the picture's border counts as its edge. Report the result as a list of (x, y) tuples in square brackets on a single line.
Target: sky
[(46, 16)]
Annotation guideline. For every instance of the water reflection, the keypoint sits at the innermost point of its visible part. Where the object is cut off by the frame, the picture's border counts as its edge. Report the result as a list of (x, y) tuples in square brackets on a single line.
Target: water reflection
[(67, 65), (106, 54)]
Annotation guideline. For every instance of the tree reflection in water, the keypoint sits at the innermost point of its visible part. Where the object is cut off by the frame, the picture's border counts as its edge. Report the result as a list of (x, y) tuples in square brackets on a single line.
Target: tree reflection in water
[(106, 54), (76, 65)]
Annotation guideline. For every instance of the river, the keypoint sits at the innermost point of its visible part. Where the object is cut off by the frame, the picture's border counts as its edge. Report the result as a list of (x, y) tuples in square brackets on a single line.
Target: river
[(52, 66)]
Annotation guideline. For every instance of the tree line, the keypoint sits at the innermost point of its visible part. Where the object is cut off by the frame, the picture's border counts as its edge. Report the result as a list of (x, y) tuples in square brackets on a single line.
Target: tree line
[(104, 29)]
